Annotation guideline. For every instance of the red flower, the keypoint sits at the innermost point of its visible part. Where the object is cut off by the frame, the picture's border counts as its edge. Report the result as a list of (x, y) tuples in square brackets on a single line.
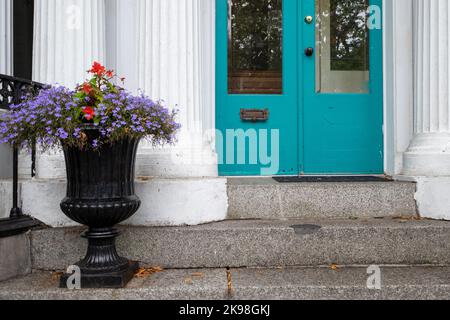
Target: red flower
[(110, 74), (89, 113), (122, 79), (98, 69), (87, 88)]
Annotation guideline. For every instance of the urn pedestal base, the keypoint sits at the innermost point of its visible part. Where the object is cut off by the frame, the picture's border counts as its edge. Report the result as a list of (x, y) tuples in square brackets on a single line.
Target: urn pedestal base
[(102, 267), (115, 280)]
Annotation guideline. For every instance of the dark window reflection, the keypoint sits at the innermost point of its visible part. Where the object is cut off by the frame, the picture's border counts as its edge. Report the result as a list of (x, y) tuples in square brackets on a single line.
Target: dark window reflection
[(349, 35), (255, 47)]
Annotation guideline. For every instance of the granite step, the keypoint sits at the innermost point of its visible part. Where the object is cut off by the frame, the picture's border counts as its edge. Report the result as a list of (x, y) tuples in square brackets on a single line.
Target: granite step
[(265, 198), (262, 243), (349, 283)]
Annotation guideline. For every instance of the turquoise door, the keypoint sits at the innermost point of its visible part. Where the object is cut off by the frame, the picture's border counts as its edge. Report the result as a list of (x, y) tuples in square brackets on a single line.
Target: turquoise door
[(299, 87)]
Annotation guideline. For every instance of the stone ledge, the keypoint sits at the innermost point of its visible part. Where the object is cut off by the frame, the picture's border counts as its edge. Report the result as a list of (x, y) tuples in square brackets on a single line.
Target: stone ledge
[(408, 283), (164, 201)]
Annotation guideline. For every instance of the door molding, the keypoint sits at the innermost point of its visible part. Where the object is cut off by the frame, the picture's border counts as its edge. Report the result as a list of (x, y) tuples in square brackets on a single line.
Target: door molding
[(398, 82)]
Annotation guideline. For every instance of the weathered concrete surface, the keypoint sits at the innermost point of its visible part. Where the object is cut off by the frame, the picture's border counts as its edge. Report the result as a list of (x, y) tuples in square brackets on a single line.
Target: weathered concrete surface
[(416, 283), (263, 244), (167, 285), (433, 200), (15, 256), (264, 198), (409, 283)]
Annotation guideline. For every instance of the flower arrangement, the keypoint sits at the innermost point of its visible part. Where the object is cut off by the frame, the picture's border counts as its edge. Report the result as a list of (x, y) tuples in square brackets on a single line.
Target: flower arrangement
[(57, 115)]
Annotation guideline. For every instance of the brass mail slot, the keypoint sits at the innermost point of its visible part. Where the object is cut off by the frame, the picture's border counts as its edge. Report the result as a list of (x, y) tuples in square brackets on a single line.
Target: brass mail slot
[(254, 115)]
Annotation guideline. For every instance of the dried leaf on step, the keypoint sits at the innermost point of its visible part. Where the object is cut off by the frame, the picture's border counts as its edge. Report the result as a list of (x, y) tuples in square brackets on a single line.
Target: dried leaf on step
[(334, 267), (145, 272), (57, 274), (408, 218), (197, 274), (188, 280), (158, 269)]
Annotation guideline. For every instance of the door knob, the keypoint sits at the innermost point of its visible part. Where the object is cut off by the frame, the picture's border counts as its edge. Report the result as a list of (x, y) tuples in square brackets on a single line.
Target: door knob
[(309, 52)]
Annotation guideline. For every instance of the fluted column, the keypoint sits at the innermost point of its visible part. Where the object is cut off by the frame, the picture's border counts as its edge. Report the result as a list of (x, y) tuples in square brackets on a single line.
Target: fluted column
[(68, 36), (429, 152), (175, 54), (5, 37)]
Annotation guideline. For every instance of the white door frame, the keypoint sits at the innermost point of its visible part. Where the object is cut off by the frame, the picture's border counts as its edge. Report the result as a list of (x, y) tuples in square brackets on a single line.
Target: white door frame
[(398, 81)]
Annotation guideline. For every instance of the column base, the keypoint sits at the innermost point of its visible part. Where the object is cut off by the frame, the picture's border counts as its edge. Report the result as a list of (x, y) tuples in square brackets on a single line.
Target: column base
[(428, 155)]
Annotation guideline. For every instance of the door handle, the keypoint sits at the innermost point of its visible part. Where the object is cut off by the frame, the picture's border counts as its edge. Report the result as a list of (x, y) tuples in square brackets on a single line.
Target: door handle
[(309, 52)]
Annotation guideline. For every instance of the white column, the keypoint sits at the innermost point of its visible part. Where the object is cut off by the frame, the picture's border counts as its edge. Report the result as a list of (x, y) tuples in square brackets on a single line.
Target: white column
[(175, 54), (68, 36), (6, 37), (429, 152), (121, 40)]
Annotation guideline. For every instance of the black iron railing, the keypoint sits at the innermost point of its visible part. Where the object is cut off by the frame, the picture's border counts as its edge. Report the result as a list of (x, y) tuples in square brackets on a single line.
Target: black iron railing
[(12, 91)]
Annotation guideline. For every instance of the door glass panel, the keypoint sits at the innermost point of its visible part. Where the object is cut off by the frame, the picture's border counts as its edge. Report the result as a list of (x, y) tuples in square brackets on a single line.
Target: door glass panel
[(255, 32), (342, 46)]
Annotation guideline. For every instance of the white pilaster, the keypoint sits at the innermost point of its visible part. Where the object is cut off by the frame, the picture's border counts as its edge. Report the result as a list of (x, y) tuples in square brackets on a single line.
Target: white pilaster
[(429, 152), (398, 82), (68, 36), (6, 37), (427, 160), (175, 54)]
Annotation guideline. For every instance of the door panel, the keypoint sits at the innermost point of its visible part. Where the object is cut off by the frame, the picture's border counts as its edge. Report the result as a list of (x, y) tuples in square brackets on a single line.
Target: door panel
[(325, 109), (342, 89), (257, 69)]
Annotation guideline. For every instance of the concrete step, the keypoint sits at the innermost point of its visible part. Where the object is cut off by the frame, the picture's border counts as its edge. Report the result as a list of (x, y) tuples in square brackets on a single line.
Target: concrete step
[(412, 283), (267, 243), (265, 198)]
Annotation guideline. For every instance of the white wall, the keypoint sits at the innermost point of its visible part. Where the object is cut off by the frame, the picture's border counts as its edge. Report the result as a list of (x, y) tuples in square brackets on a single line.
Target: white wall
[(5, 68), (5, 37)]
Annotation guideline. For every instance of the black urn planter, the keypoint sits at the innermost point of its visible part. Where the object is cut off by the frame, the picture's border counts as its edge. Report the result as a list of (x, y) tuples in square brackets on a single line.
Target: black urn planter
[(100, 194)]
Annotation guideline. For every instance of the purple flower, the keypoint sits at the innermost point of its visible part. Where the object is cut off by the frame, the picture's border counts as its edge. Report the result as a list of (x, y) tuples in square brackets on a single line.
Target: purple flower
[(54, 114), (62, 134)]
